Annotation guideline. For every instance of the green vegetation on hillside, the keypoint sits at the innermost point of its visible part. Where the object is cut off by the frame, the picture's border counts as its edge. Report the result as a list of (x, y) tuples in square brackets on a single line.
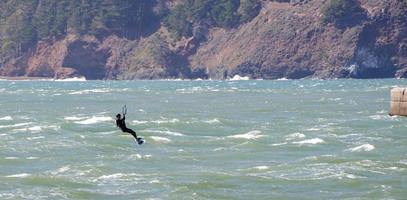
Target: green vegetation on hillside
[(215, 13), (342, 13), (24, 22)]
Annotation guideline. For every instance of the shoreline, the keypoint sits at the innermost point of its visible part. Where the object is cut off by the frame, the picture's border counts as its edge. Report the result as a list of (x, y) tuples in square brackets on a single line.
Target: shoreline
[(24, 78)]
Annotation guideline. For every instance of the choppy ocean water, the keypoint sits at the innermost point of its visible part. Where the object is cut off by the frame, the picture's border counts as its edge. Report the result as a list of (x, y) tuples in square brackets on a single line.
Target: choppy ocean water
[(291, 139)]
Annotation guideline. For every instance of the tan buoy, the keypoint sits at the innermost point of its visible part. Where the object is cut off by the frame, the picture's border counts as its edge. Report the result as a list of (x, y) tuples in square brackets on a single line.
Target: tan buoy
[(398, 104)]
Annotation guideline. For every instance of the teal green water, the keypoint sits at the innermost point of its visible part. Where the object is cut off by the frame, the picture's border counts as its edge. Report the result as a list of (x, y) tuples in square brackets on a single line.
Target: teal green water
[(292, 139)]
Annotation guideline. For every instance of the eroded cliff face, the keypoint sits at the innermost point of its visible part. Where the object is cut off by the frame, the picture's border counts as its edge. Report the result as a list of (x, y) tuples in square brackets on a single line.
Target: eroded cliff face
[(290, 41), (286, 40)]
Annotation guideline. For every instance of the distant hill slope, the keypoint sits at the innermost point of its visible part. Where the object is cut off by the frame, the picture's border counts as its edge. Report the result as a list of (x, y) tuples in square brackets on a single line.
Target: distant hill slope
[(156, 39)]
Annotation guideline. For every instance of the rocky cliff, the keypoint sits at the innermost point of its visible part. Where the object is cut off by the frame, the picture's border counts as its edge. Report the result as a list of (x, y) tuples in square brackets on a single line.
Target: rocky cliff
[(285, 40)]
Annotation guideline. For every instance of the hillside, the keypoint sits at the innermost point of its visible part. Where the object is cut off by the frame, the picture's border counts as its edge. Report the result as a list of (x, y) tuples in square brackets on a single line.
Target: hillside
[(146, 39)]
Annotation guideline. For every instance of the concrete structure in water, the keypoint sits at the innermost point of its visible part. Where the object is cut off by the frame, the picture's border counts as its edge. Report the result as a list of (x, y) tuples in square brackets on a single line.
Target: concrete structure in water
[(398, 104)]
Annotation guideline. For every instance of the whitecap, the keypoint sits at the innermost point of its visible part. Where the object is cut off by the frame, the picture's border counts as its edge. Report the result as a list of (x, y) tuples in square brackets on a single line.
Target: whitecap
[(6, 118), (364, 147), (73, 79), (36, 138), (18, 175), (380, 117), (139, 122), (112, 176), (35, 128), (95, 120), (295, 136), (61, 170), (311, 141), (239, 78), (166, 132), (169, 121), (249, 135), (11, 158), (15, 125), (261, 167), (74, 118), (279, 144), (160, 139), (212, 121), (99, 90), (313, 129)]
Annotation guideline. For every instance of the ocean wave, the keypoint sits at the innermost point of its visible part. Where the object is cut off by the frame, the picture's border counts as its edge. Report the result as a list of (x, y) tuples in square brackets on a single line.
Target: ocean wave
[(239, 78), (160, 139), (36, 129), (295, 136), (22, 175), (99, 90), (16, 125), (6, 118), (73, 79), (166, 132), (311, 141), (262, 167), (95, 120), (279, 144), (212, 121), (61, 170), (111, 176), (380, 117), (74, 118), (252, 135), (35, 138), (364, 147)]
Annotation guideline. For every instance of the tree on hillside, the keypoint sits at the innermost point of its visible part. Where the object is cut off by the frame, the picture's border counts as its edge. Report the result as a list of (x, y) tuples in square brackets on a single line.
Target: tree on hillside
[(343, 13)]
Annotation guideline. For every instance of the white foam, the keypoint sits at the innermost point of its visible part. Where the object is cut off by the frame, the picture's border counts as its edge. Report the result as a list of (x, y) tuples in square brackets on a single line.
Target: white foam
[(139, 122), (112, 176), (313, 129), (74, 118), (365, 147), (15, 125), (249, 135), (295, 136), (18, 175), (61, 170), (160, 139), (380, 117), (11, 158), (99, 90), (72, 79), (169, 121), (239, 78), (162, 121), (261, 167), (311, 141), (212, 121), (95, 120), (6, 118), (167, 132), (36, 138), (279, 144), (36, 129)]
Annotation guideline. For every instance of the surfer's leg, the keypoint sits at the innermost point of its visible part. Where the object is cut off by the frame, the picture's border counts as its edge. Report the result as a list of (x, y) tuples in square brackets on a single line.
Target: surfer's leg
[(133, 133)]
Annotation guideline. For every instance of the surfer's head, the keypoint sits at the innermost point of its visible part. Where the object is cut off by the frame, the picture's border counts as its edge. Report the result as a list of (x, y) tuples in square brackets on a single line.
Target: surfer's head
[(118, 116)]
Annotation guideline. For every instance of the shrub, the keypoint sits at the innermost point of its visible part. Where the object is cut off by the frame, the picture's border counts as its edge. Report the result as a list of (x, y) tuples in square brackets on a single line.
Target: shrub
[(343, 13)]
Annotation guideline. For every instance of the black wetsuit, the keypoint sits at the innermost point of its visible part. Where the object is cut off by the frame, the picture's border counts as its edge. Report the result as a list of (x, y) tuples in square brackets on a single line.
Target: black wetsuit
[(122, 125)]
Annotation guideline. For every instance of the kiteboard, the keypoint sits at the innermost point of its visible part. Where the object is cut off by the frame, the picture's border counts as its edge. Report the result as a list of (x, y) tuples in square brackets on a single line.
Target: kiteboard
[(139, 141)]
